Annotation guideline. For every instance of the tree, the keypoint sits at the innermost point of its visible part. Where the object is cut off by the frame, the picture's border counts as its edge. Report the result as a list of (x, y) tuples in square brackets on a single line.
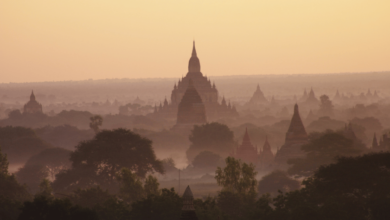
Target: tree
[(10, 189), (352, 188), (322, 150), (90, 197), (277, 181), (207, 159), (96, 121), (107, 206), (44, 165), (3, 164), (15, 114), (237, 176), (45, 189), (131, 187), (164, 206), (20, 143), (214, 137), (151, 186), (44, 208), (326, 106), (97, 161), (207, 209)]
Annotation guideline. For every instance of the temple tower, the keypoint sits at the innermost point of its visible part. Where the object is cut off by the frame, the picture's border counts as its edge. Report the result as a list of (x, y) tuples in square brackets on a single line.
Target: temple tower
[(246, 151), (188, 210), (32, 106), (296, 136), (266, 155), (258, 97)]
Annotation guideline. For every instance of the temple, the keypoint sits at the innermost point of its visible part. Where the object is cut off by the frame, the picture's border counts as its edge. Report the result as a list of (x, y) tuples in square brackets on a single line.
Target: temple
[(266, 155), (206, 90), (311, 98), (246, 151), (296, 136), (258, 98), (32, 106), (188, 210), (191, 109)]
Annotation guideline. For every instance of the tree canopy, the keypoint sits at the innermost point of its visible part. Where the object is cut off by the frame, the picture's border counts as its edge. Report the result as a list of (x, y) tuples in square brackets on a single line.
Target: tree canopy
[(277, 181), (352, 188), (20, 143), (237, 176), (214, 137), (97, 161), (322, 149), (44, 165)]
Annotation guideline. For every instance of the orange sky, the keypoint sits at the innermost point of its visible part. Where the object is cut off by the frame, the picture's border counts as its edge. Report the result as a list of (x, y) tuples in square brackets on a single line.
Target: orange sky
[(51, 40)]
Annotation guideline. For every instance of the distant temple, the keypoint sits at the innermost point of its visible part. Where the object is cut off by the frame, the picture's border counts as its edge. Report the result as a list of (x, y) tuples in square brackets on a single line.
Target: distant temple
[(188, 210), (296, 136), (311, 98), (266, 155), (32, 106), (258, 98), (207, 92), (246, 151)]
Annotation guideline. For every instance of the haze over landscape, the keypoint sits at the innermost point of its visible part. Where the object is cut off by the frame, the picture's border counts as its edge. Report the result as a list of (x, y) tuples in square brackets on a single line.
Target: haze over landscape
[(194, 110)]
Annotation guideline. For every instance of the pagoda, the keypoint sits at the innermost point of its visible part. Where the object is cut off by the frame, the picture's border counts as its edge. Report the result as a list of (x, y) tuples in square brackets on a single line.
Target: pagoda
[(266, 155), (296, 136), (207, 91), (246, 151), (258, 97), (188, 210), (32, 106), (311, 98)]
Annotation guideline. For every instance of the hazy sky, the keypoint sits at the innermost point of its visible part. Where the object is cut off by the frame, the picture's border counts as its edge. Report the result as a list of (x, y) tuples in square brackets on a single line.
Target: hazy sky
[(51, 40)]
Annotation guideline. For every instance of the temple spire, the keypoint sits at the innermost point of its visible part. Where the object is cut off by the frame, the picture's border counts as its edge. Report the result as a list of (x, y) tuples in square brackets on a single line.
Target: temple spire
[(32, 96), (194, 63), (193, 49), (296, 131)]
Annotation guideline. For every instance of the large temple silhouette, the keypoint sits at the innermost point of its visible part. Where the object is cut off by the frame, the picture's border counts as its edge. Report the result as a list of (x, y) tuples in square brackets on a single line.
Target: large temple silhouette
[(32, 106), (296, 136), (206, 90)]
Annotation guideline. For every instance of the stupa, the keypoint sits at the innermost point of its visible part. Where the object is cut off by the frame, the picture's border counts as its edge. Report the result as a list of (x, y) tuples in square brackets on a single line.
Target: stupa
[(296, 136), (32, 106)]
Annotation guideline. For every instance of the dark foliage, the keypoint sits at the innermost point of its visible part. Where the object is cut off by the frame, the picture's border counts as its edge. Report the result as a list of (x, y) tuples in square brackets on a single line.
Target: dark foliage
[(165, 206), (277, 181), (321, 150), (353, 188), (214, 137), (65, 136), (43, 208), (46, 164), (96, 162), (20, 143)]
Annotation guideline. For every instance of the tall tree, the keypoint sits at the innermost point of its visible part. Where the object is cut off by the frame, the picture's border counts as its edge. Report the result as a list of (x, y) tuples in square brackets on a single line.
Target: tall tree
[(96, 122), (237, 176), (352, 188), (9, 188), (97, 161)]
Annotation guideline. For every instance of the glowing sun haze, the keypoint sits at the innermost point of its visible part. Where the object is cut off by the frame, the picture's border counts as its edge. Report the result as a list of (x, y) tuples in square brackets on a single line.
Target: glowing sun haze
[(51, 40)]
